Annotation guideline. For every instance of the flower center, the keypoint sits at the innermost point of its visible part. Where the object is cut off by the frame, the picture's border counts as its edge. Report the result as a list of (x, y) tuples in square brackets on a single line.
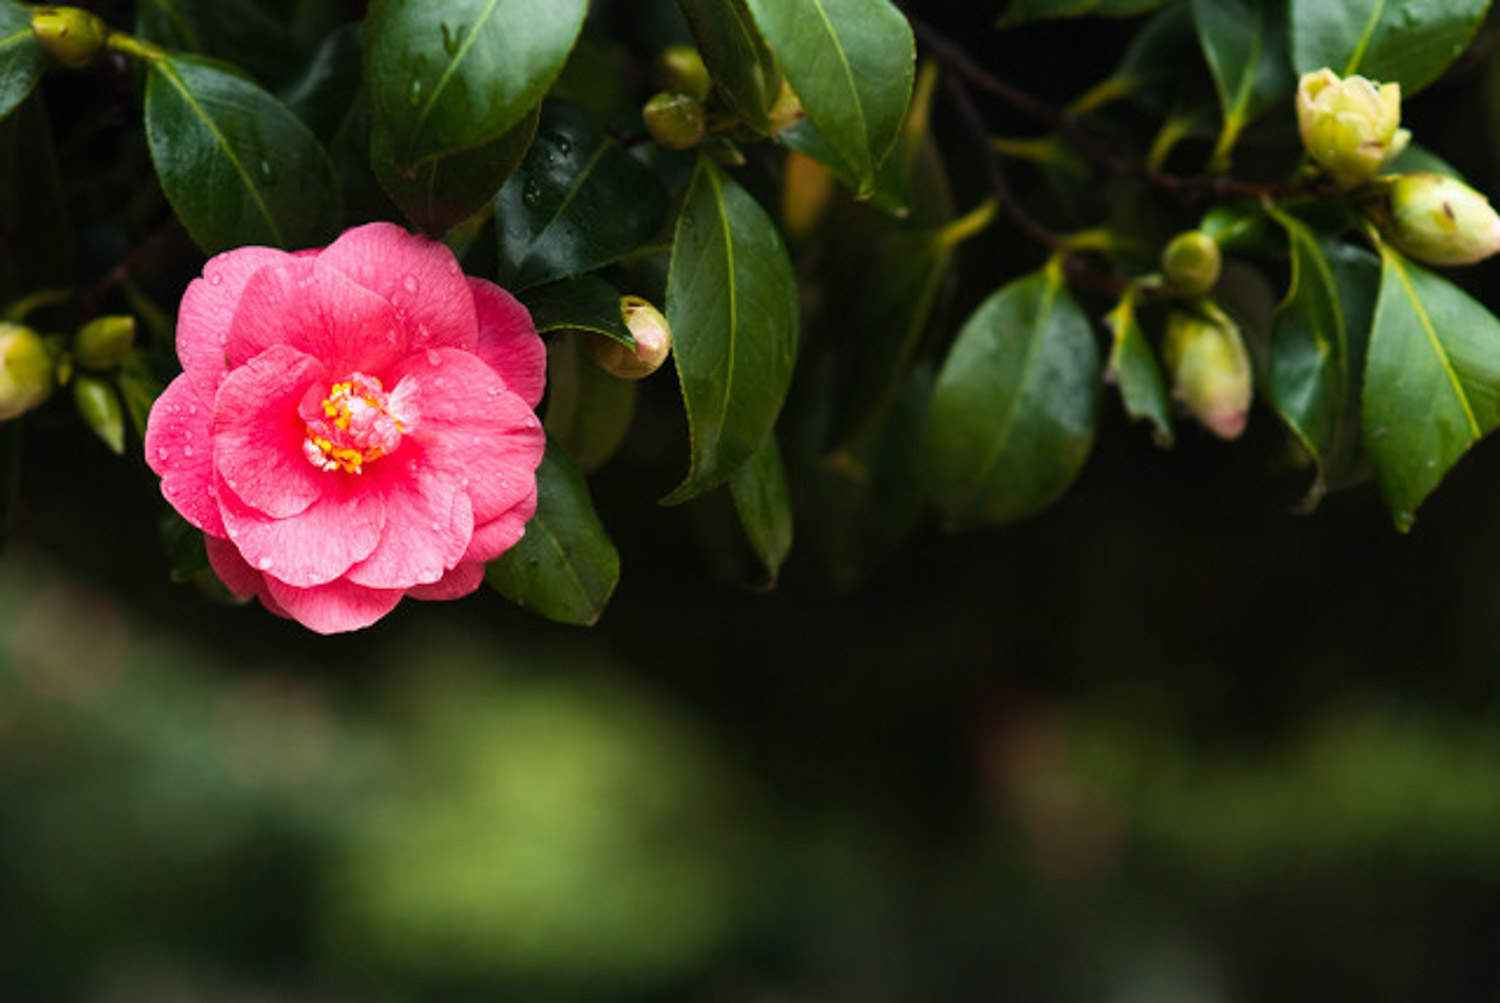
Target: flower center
[(358, 424)]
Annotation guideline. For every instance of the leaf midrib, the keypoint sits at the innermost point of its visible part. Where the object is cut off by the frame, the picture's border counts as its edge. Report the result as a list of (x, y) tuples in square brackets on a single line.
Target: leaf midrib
[(458, 57), (1437, 345), (734, 313), (572, 192), (867, 169), (1364, 38)]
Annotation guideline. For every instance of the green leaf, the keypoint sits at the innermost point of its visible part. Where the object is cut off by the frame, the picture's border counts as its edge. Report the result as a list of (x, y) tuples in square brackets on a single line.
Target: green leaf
[(732, 303), (764, 505), (1134, 367), (1162, 51), (187, 556), (851, 63), (1420, 160), (578, 202), (21, 57), (588, 410), (744, 72), (1432, 382), (240, 32), (1016, 404), (1023, 11), (455, 75), (237, 166), (98, 405), (36, 237), (1409, 42), (1245, 43), (889, 192), (565, 567), (328, 86), (1318, 344), (442, 192), (587, 303)]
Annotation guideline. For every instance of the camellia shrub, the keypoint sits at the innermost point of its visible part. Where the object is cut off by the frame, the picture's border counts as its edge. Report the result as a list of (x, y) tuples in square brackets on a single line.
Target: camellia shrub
[(373, 289)]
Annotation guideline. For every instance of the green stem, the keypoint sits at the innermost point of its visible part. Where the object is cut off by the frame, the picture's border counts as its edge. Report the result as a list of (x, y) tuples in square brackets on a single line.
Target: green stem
[(134, 47)]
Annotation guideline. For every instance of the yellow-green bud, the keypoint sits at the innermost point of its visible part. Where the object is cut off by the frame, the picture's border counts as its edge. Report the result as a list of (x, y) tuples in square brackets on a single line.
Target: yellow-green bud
[(1210, 369), (74, 37), (1439, 220), (675, 121), (26, 370), (787, 111), (99, 407), (653, 340), (682, 71), (104, 342), (1191, 263), (1351, 127)]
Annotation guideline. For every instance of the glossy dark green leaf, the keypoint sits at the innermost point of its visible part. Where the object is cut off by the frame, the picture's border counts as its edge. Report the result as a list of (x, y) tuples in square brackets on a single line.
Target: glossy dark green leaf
[(98, 404), (1016, 404), (732, 304), (1023, 11), (1409, 42), (455, 75), (36, 238), (1245, 44), (241, 32), (587, 303), (566, 566), (237, 166), (187, 556), (1133, 367), (889, 192), (328, 86), (578, 201), (1432, 382), (588, 410), (744, 71), (1160, 54), (1417, 159), (1318, 344), (21, 58), (444, 191), (851, 63), (764, 504)]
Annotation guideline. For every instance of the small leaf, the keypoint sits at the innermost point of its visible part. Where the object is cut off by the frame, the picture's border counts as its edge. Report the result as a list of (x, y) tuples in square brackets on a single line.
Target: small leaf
[(588, 410), (1409, 42), (1133, 365), (328, 86), (98, 405), (237, 166), (565, 567), (442, 192), (764, 505), (578, 202), (1016, 404), (587, 303), (889, 192), (239, 32), (732, 305), (1245, 44), (1432, 382), (21, 57), (452, 76), (1417, 159), (744, 72), (851, 63), (1318, 345)]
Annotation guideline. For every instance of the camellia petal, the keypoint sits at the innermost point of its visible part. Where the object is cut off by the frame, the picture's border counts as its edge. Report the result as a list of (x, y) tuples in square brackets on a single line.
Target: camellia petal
[(454, 585), (207, 313), (258, 434), (335, 607), (428, 523), (313, 547), (237, 576), (508, 341), (179, 447), (500, 534)]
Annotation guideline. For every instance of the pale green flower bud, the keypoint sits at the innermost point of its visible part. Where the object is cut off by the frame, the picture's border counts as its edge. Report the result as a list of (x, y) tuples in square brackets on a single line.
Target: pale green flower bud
[(26, 370), (676, 121), (1351, 127), (1439, 220), (1210, 369), (99, 406), (653, 341), (74, 37), (104, 342), (1191, 263), (682, 71)]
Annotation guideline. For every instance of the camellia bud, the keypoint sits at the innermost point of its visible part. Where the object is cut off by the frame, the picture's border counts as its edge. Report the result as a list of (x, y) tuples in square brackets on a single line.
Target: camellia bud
[(1350, 126), (74, 37), (26, 370), (1439, 220), (675, 121), (653, 340), (682, 71), (1210, 369), (1191, 263), (99, 407), (104, 342)]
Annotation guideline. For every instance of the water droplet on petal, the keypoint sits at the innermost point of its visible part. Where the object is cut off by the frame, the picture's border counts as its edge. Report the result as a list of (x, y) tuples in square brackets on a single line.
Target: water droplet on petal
[(163, 453), (434, 357), (215, 279), (264, 564), (187, 450), (410, 284)]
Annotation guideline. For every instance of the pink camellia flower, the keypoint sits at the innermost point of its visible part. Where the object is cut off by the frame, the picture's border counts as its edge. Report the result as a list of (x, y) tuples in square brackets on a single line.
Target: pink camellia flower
[(352, 425)]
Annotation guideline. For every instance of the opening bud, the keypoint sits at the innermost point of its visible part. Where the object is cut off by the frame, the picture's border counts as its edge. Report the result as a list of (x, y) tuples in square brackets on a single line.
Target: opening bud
[(1210, 369), (1191, 263), (675, 121), (26, 370), (682, 71), (1439, 220), (99, 407), (104, 342), (74, 37), (653, 341), (1351, 127)]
